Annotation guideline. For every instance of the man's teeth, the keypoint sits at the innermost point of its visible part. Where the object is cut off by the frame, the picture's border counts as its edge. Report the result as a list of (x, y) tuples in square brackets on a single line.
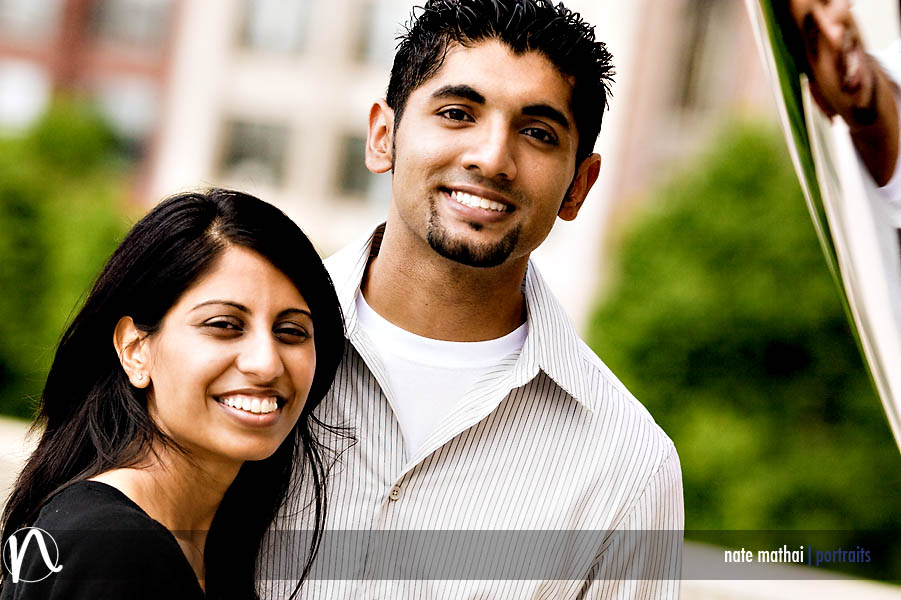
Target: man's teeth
[(259, 406), (852, 66), (477, 201)]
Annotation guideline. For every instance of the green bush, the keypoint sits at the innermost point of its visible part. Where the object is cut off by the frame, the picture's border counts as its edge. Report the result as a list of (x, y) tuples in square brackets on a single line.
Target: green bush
[(725, 322), (59, 220)]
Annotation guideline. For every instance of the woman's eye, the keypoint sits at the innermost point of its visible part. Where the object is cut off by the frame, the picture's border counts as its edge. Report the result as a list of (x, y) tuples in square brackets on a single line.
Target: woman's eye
[(291, 333), (223, 324)]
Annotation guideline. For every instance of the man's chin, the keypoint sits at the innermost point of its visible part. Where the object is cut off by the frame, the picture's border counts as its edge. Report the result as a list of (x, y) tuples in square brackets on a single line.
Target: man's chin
[(472, 254)]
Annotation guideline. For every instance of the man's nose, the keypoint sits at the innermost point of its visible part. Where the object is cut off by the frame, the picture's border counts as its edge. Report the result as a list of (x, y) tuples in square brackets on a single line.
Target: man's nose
[(259, 357), (832, 22), (492, 152)]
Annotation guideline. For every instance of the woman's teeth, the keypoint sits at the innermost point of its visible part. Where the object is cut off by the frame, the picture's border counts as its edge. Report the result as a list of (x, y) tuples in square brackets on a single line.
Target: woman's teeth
[(477, 201), (258, 406)]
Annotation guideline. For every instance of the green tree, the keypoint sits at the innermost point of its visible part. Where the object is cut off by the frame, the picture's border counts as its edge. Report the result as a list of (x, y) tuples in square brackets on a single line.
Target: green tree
[(59, 189), (725, 322)]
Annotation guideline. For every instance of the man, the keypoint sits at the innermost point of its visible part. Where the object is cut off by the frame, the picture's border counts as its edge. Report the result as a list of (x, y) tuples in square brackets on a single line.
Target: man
[(495, 456), (846, 81)]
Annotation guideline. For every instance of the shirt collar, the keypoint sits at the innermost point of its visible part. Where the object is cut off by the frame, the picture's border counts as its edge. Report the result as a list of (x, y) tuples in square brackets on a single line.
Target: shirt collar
[(552, 344)]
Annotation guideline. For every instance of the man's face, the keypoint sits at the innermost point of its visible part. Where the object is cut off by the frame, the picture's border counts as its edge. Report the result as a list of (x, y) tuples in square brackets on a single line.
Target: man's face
[(485, 153), (843, 75)]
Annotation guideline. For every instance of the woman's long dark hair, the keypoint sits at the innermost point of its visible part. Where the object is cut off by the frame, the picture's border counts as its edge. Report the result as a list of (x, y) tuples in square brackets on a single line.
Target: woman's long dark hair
[(94, 420)]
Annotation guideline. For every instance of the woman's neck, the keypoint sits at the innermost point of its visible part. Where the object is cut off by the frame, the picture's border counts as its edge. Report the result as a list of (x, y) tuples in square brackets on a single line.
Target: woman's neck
[(178, 492)]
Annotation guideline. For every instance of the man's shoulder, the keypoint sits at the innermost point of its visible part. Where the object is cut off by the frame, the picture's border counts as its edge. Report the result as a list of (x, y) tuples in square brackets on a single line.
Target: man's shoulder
[(609, 396), (576, 367), (341, 263)]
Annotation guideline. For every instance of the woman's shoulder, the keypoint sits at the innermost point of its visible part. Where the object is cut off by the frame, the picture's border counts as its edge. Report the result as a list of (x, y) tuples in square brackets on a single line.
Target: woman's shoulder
[(105, 544), (92, 505), (96, 523)]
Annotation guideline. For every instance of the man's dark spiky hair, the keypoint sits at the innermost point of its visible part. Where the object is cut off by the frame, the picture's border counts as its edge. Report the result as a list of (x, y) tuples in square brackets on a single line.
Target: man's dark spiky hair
[(559, 34)]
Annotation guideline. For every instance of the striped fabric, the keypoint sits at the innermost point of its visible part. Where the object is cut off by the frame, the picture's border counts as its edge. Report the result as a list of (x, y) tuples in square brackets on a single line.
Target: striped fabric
[(548, 480)]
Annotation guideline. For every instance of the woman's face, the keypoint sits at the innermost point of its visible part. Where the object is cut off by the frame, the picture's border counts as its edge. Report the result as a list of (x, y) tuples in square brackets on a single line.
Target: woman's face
[(233, 361)]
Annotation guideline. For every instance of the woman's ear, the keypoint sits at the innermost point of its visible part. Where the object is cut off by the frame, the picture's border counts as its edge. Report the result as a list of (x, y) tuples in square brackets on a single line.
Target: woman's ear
[(133, 351)]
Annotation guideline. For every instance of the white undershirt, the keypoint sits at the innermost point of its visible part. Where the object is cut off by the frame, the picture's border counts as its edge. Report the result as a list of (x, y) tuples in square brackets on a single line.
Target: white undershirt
[(428, 377)]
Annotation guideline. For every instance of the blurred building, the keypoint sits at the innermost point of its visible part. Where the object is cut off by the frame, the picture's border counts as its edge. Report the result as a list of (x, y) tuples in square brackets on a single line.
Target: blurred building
[(114, 52), (272, 97)]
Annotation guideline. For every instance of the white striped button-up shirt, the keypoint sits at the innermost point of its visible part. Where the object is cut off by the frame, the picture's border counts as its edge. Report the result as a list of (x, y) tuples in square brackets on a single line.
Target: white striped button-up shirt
[(547, 480)]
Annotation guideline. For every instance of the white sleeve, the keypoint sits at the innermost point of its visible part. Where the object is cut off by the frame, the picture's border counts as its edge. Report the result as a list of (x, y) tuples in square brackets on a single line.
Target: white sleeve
[(890, 61), (644, 559), (891, 191)]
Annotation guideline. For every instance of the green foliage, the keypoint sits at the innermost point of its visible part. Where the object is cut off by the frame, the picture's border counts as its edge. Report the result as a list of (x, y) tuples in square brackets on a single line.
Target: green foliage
[(725, 322), (59, 186)]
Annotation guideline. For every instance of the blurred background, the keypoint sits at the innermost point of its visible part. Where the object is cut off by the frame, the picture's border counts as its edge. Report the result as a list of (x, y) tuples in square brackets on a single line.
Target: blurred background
[(693, 269)]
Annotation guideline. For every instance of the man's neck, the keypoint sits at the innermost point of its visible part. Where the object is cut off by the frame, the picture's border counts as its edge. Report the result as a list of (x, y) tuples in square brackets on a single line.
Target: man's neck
[(414, 287)]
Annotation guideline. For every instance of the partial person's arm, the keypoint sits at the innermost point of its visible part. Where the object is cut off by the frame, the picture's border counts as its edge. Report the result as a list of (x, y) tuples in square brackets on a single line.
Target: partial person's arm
[(877, 142)]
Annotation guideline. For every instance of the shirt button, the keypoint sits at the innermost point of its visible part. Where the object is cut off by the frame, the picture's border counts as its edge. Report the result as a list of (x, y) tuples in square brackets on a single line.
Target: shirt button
[(395, 493)]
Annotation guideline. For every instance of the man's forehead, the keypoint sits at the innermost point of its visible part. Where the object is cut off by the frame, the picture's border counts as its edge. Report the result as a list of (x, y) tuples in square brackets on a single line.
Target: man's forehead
[(480, 65)]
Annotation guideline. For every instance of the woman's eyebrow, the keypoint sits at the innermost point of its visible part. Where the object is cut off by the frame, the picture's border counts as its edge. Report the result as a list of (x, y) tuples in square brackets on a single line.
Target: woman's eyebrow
[(301, 311), (243, 308), (240, 307)]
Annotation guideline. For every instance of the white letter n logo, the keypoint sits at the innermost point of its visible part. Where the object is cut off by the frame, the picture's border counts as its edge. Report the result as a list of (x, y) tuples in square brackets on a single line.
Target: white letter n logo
[(17, 553)]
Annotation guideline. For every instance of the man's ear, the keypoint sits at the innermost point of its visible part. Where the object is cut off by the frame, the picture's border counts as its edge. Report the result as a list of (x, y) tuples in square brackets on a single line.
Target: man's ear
[(133, 352), (379, 140), (586, 175)]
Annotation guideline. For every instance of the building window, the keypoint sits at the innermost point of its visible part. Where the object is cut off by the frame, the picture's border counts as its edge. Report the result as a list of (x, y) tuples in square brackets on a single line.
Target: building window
[(130, 104), (29, 19), (254, 152), (25, 90), (141, 23), (352, 176), (381, 22), (275, 25), (706, 53)]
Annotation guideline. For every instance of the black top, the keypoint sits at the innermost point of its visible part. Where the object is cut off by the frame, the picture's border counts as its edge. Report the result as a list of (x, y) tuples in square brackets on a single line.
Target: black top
[(108, 548)]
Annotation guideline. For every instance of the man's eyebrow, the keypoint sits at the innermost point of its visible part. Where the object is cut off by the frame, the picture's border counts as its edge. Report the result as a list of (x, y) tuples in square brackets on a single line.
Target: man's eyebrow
[(548, 112), (459, 91), (534, 110)]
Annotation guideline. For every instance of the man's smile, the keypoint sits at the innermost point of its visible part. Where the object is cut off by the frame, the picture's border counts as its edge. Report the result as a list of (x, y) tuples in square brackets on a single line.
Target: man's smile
[(475, 201), (851, 64)]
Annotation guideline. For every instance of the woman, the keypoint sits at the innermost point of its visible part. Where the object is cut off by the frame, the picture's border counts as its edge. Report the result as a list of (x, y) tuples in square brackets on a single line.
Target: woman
[(178, 404)]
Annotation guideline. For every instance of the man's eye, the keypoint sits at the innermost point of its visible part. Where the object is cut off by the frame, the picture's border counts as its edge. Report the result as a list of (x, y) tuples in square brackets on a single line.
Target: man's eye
[(542, 135), (456, 114)]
